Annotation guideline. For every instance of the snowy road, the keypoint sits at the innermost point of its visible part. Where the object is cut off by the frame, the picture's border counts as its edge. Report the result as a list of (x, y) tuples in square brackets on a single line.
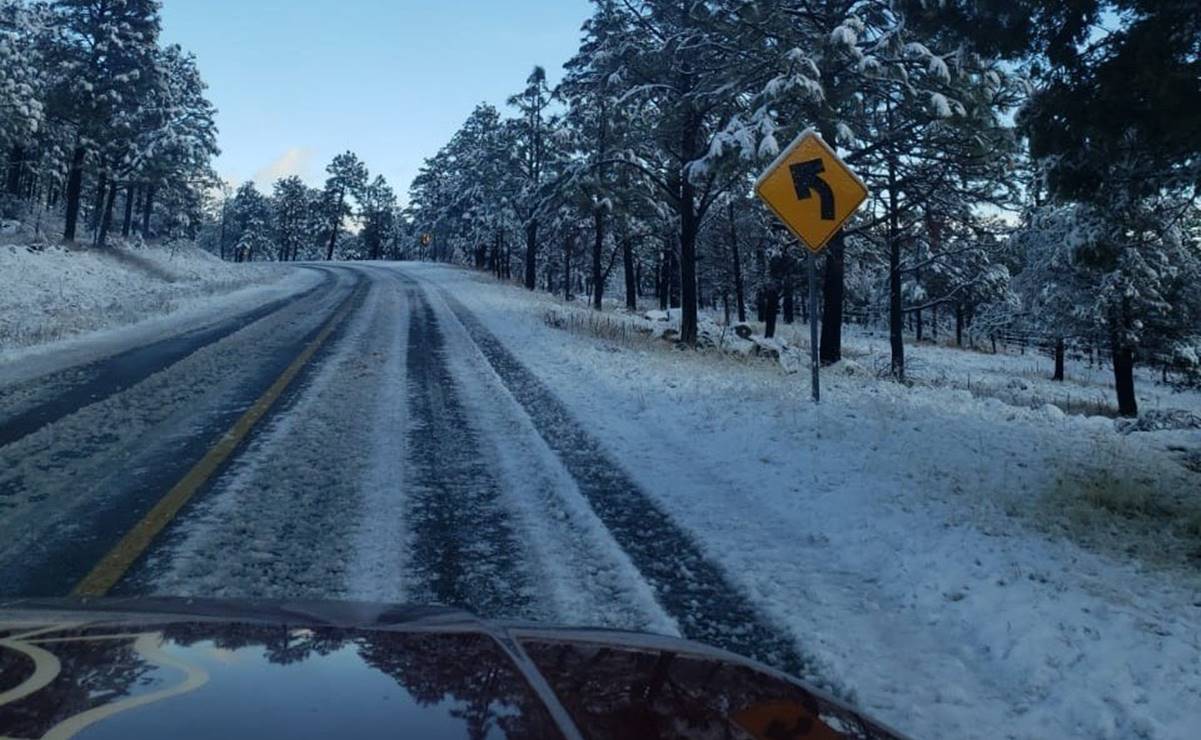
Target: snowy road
[(414, 458), (446, 444)]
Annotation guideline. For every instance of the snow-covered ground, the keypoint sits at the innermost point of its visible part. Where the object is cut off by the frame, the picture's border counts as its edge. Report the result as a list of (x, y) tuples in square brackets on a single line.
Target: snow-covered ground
[(960, 557), (57, 294)]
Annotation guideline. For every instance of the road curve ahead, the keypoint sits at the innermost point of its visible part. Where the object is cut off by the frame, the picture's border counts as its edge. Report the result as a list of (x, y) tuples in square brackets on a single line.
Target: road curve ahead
[(368, 439)]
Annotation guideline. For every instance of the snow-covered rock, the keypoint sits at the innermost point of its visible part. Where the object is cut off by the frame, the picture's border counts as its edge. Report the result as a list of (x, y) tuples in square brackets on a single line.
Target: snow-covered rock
[(1157, 420)]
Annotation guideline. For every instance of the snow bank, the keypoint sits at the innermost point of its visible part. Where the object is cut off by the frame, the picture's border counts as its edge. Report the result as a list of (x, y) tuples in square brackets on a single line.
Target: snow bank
[(58, 293)]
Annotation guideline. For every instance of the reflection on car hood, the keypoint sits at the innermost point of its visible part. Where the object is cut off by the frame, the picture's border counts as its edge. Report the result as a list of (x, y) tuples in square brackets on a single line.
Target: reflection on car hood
[(157, 668)]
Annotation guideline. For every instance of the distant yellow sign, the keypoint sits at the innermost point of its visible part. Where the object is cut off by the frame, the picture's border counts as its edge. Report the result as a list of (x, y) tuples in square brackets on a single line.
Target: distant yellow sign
[(811, 190)]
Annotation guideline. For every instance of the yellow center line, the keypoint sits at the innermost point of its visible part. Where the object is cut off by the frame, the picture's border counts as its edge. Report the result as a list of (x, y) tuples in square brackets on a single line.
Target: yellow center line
[(121, 558)]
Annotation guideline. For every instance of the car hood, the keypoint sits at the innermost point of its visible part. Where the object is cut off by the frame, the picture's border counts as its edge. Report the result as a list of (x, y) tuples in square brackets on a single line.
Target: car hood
[(186, 668)]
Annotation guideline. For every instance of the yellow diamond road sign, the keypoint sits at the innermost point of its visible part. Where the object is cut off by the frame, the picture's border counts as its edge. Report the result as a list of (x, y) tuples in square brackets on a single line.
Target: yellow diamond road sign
[(811, 190)]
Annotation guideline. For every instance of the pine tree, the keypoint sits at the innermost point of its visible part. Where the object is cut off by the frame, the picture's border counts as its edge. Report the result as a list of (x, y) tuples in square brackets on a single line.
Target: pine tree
[(21, 90), (534, 159), (378, 216), (347, 181), (251, 217), (294, 223), (99, 53)]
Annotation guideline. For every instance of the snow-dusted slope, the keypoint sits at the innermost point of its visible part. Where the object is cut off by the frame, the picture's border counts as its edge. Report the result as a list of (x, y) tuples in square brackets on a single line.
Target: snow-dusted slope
[(57, 294)]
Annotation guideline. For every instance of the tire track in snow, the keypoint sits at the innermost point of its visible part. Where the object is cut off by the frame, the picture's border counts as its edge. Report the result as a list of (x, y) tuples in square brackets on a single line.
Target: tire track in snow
[(581, 575), (693, 589), (463, 552)]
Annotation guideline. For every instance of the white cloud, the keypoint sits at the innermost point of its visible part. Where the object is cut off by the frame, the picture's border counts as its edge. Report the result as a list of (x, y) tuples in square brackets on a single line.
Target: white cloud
[(295, 161)]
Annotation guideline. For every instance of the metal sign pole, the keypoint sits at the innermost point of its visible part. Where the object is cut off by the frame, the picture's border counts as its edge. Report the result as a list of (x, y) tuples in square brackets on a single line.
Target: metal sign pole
[(813, 348)]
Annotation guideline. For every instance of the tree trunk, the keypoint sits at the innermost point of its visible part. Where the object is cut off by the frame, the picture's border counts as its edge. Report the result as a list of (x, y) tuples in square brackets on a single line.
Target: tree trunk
[(16, 158), (224, 219), (736, 264), (598, 245), (531, 255), (627, 260), (934, 322), (663, 280), (833, 296), (147, 209), (958, 324), (789, 304), (98, 205), (74, 191), (568, 248), (771, 310), (106, 220), (1059, 353), (127, 223), (673, 278), (335, 226), (689, 227), (1123, 375)]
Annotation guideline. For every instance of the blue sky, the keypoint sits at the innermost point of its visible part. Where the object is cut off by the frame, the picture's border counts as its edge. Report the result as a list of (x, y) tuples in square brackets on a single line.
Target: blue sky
[(297, 81)]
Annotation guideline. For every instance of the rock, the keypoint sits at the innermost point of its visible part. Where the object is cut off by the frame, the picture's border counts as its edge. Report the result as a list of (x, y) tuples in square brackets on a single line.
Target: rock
[(1051, 412), (766, 348)]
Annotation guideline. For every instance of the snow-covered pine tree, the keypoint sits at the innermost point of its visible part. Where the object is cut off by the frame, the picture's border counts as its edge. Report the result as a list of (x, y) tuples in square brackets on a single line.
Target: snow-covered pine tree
[(535, 160), (21, 91), (378, 211), (346, 183), (250, 217), (596, 125), (292, 203), (97, 56)]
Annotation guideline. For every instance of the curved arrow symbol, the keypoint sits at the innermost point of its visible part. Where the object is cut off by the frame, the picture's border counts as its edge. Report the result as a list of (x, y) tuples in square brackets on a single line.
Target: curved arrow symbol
[(805, 179)]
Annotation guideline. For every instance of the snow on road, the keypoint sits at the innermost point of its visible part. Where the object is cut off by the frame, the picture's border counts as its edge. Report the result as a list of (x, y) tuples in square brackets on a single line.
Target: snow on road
[(401, 470), (280, 521), (921, 545), (592, 580)]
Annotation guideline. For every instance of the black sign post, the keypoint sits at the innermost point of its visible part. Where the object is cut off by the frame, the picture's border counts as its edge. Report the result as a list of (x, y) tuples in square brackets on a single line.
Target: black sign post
[(814, 361)]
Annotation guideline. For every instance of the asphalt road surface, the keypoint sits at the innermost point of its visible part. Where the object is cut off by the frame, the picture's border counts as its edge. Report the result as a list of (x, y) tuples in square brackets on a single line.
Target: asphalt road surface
[(366, 439)]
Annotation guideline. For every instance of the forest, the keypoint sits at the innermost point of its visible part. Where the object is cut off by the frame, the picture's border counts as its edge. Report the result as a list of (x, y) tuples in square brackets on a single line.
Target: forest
[(1034, 167)]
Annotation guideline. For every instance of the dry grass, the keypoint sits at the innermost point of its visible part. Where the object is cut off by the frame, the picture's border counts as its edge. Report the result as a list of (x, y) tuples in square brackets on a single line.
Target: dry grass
[(1132, 513)]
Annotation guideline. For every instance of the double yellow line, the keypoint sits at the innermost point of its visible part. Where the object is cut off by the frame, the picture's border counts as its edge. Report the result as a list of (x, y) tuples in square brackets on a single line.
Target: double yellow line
[(121, 558)]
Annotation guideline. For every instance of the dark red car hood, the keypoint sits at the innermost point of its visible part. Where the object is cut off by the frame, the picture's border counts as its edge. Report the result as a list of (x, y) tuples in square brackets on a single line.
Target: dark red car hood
[(171, 668)]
